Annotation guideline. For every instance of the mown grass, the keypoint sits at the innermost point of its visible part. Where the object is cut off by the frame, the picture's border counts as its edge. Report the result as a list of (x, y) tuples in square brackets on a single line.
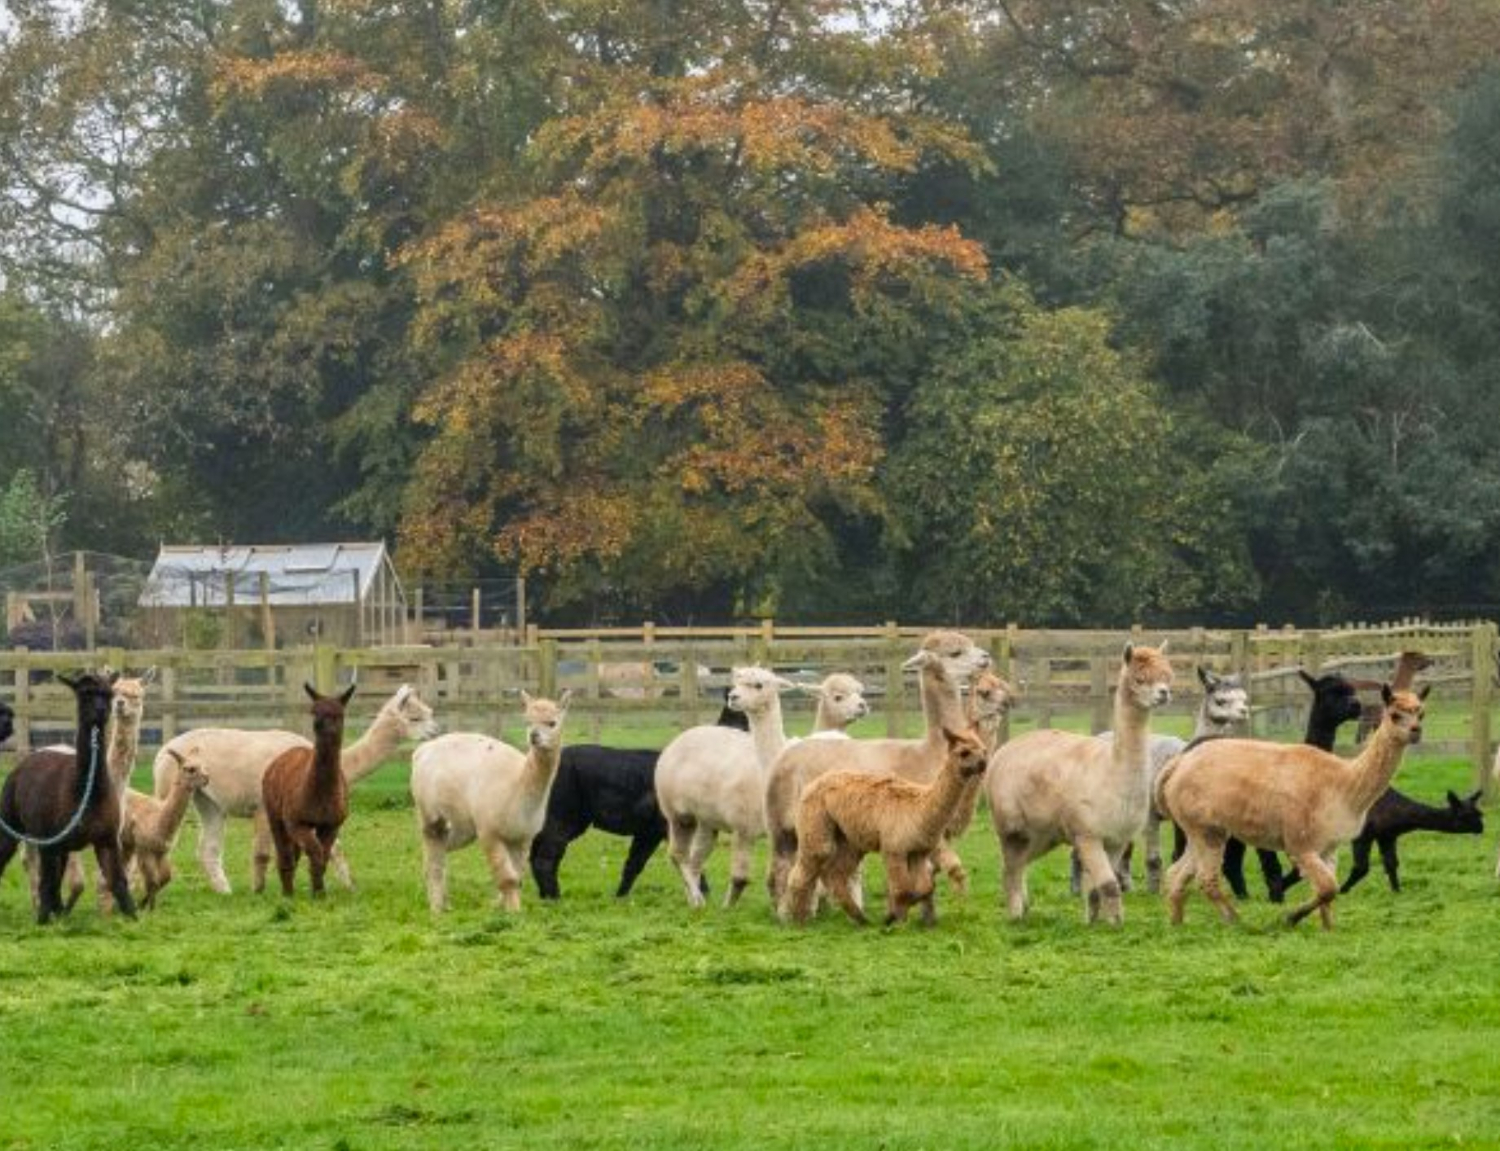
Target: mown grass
[(362, 1023)]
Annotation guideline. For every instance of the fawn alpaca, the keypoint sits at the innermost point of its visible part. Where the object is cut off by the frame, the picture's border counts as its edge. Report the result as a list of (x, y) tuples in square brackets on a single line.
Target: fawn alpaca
[(150, 829), (1296, 799), (845, 815), (306, 796)]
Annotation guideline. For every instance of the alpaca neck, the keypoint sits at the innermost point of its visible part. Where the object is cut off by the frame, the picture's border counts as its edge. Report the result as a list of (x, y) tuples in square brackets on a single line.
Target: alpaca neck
[(1206, 725), (942, 706), (1129, 753), (173, 808), (370, 750), (825, 720), (1370, 772), (124, 743), (940, 802), (326, 776), (1421, 817), (1322, 730), (768, 733), (538, 770), (988, 728), (92, 760)]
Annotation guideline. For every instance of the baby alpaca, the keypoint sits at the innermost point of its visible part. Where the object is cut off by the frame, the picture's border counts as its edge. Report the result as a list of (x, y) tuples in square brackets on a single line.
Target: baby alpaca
[(845, 815), (149, 831)]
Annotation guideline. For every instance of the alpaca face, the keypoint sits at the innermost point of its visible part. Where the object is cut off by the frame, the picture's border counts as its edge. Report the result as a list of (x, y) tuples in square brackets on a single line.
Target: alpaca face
[(959, 655), (1404, 711), (1147, 676), (130, 699), (95, 694), (328, 712), (990, 696), (415, 716), (1226, 701), (544, 720), (753, 689), (967, 752), (1467, 818), (843, 698), (193, 775), (1334, 697)]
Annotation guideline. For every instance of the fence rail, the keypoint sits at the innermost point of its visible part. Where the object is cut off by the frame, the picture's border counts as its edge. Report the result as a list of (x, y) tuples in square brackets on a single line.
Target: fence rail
[(675, 675)]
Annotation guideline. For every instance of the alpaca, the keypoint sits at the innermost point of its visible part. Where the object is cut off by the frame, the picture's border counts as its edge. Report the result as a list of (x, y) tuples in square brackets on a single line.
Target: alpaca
[(470, 787), (150, 829), (615, 790), (1052, 787), (845, 815), (1393, 816), (62, 802), (944, 662), (7, 721), (239, 759), (990, 699), (1409, 664), (305, 794), (1297, 799), (710, 780), (1224, 707)]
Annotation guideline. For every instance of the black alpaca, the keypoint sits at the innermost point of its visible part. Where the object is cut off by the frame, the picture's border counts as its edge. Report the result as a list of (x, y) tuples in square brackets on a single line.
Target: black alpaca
[(613, 789), (1335, 703), (1393, 816), (7, 722), (68, 802)]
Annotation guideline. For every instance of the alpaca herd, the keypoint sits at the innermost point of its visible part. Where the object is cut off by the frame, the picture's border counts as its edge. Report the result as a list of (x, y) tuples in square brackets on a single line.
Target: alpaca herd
[(824, 801)]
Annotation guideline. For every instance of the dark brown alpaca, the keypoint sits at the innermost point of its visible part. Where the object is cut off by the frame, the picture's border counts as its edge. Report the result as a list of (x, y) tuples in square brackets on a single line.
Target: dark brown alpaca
[(305, 795), (65, 801)]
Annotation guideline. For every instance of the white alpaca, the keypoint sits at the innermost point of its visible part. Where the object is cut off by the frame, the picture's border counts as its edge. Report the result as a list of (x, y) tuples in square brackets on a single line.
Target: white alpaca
[(711, 779), (1224, 709), (469, 787), (945, 660), (236, 761)]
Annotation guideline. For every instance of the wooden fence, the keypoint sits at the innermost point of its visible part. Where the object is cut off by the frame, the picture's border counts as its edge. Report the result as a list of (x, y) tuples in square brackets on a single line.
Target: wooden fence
[(675, 676)]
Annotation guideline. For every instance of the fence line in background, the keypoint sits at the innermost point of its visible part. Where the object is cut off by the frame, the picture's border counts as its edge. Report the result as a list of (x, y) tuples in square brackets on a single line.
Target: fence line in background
[(677, 673)]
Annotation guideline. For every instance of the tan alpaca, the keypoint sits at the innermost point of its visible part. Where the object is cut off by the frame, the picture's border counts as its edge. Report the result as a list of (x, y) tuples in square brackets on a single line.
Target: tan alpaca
[(1048, 788), (1280, 797), (944, 661), (989, 701), (846, 815), (149, 830)]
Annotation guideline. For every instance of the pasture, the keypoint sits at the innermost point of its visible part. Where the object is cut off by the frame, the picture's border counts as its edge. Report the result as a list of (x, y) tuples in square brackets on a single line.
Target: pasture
[(363, 1023)]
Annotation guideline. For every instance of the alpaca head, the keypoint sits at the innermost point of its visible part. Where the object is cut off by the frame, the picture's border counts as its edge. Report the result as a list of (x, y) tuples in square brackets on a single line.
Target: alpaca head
[(1465, 813), (544, 719), (191, 774), (1334, 697), (130, 697), (752, 690), (951, 652), (990, 697), (328, 711), (1225, 700), (1403, 712), (414, 716), (7, 722), (95, 695), (842, 696), (1146, 676), (967, 752)]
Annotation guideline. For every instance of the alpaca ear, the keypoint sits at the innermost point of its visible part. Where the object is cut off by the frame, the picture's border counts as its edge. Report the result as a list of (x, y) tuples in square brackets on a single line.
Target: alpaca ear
[(1162, 647), (784, 684), (148, 676), (564, 699), (1454, 801), (1426, 688), (1207, 678), (312, 692), (72, 684), (1385, 693), (952, 737), (348, 694), (403, 693), (182, 762), (1473, 800), (923, 658), (1307, 679), (809, 688), (526, 697), (1129, 651)]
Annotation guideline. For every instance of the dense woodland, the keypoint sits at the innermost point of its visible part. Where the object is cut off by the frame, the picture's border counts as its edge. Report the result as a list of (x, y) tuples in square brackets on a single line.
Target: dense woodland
[(1054, 312)]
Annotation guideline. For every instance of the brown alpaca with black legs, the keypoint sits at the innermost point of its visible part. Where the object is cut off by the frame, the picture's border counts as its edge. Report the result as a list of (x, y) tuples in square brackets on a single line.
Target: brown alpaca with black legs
[(62, 802), (305, 794)]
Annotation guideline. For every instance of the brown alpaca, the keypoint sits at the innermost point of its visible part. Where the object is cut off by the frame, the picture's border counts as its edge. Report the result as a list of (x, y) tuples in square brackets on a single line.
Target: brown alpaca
[(1278, 797), (845, 815), (149, 831), (990, 699), (306, 795)]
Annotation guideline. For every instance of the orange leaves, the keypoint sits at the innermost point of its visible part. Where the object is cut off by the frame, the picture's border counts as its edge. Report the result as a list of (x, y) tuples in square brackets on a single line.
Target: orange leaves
[(336, 71), (583, 522)]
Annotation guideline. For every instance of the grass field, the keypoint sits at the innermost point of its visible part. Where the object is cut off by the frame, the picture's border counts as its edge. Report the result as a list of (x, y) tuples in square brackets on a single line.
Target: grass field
[(362, 1023)]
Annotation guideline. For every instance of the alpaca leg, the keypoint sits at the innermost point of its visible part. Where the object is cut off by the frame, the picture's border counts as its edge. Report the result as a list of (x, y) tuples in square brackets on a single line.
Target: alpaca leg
[(435, 869), (1120, 861), (1324, 882), (700, 846), (1361, 866), (340, 864), (507, 876), (1015, 857), (260, 852), (1270, 867), (1209, 854), (1101, 882), (796, 905), (1179, 875), (31, 861), (949, 863), (211, 842), (8, 848), (49, 886), (74, 879), (838, 876), (923, 874), (286, 857), (157, 871), (1179, 842), (1153, 852), (1234, 868), (1075, 872), (108, 855), (519, 854), (1389, 861), (900, 887), (740, 859), (547, 851), (311, 845), (641, 848), (680, 837)]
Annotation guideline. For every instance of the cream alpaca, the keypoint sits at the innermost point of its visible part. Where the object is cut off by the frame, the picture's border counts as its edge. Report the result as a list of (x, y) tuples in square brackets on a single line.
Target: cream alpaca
[(469, 787), (1048, 788), (1279, 797), (238, 760), (946, 659), (989, 701), (845, 815)]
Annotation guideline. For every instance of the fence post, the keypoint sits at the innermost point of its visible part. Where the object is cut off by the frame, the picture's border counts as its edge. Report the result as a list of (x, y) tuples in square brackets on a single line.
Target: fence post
[(520, 605), (547, 668), (1103, 706), (1005, 657), (168, 703), (1239, 664), (895, 684), (325, 668), (1483, 657), (267, 617), (23, 702), (474, 614)]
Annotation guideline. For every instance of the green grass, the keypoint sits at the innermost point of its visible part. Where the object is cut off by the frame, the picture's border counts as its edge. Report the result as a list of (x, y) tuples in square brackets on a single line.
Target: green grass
[(362, 1023)]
